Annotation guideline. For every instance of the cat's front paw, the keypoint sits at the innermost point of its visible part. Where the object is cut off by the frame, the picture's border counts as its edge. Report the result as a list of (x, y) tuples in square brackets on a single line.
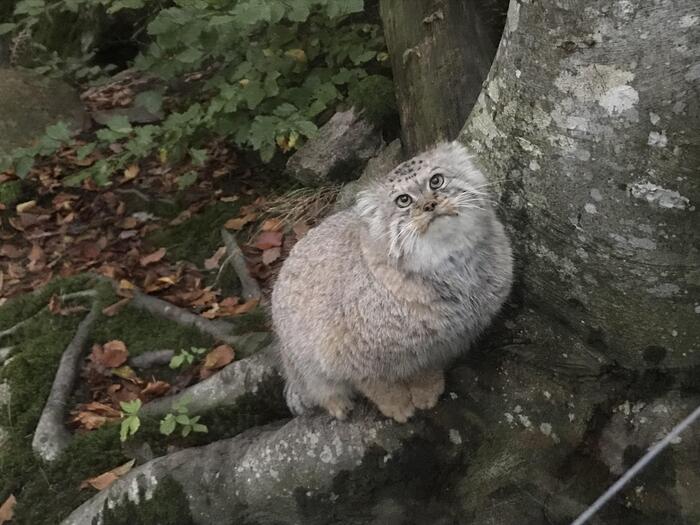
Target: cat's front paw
[(426, 388), (399, 409)]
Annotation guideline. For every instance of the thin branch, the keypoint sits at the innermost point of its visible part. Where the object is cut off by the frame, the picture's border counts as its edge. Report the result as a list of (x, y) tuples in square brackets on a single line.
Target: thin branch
[(250, 287), (51, 436)]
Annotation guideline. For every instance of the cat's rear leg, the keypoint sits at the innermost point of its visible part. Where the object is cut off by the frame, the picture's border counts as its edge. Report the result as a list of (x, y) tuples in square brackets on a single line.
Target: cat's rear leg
[(305, 393), (333, 396)]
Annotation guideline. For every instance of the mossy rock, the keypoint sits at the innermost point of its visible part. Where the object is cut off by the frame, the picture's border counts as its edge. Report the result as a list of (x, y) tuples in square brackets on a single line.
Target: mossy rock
[(29, 103)]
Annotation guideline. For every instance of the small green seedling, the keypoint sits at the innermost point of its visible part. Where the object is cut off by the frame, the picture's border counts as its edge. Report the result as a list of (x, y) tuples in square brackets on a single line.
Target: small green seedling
[(130, 418), (180, 417), (186, 357)]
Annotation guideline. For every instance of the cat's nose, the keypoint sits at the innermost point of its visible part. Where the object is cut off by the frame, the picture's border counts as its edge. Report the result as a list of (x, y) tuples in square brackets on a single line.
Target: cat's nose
[(429, 206)]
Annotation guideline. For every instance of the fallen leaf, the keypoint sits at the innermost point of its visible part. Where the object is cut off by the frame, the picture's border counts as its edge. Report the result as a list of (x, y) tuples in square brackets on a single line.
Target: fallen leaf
[(104, 480), (271, 225), (131, 172), (11, 251), (219, 357), (24, 206), (155, 389), (245, 307), (216, 359), (231, 198), (153, 257), (268, 240), (56, 307), (213, 261), (109, 355), (240, 222), (300, 229), (271, 255), (7, 509), (93, 415), (126, 372), (114, 309)]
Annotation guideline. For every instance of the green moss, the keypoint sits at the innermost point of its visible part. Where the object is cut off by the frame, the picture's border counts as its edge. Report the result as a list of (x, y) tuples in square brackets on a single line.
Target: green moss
[(10, 192), (197, 238), (144, 332), (167, 506), (23, 307), (374, 95)]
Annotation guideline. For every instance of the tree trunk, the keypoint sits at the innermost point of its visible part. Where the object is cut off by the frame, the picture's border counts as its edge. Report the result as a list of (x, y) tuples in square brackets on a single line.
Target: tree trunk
[(450, 40), (589, 124)]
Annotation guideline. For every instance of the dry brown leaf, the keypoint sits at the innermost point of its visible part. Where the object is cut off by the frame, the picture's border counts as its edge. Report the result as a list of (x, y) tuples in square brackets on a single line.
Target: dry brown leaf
[(7, 509), (152, 257), (155, 389), (114, 309), (240, 222), (109, 355), (56, 307), (24, 206), (267, 240), (11, 251), (245, 307), (213, 261), (271, 225), (126, 372), (104, 480), (271, 255), (300, 229), (131, 172), (219, 357)]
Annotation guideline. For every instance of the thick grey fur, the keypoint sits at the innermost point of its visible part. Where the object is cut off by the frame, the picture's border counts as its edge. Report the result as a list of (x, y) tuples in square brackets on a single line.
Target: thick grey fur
[(377, 298)]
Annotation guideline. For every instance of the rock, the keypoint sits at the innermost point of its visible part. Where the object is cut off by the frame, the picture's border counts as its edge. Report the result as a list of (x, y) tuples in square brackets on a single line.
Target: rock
[(338, 154), (386, 160), (29, 103)]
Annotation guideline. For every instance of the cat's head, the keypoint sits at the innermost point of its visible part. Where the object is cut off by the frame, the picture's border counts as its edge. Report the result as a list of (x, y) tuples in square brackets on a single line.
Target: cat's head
[(428, 205)]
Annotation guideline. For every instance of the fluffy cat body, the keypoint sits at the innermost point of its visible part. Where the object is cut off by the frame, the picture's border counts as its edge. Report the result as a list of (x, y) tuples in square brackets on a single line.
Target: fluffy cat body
[(378, 299)]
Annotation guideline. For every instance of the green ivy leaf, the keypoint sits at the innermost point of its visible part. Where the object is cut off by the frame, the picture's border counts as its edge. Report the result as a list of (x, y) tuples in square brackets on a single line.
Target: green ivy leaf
[(190, 55), (24, 166), (59, 132), (183, 419), (119, 124), (185, 181), (131, 407), (177, 360), (6, 28), (200, 428), (167, 425)]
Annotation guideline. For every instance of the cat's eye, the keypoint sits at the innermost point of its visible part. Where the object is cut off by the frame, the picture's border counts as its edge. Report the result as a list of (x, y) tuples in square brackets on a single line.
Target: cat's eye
[(436, 181), (403, 200)]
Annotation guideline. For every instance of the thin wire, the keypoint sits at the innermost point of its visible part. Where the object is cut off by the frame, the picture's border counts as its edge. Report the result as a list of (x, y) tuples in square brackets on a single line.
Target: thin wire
[(639, 465)]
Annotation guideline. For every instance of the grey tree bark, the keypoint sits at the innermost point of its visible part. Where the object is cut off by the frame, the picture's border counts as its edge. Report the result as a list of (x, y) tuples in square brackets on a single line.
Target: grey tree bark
[(589, 124), (440, 52)]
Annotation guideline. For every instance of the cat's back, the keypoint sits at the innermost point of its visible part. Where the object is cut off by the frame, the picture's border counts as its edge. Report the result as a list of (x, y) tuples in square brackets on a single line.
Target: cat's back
[(319, 263)]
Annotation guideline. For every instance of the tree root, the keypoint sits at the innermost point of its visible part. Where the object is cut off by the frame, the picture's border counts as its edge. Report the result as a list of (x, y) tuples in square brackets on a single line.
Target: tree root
[(245, 345), (249, 286), (250, 376), (51, 435), (261, 470)]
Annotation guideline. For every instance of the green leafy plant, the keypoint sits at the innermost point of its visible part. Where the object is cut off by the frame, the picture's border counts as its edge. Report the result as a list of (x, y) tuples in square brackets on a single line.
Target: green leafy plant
[(259, 73), (186, 357), (130, 418), (180, 418)]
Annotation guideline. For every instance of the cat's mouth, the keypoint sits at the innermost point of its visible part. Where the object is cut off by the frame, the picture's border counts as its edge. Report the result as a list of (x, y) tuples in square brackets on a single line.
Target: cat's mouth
[(435, 217)]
